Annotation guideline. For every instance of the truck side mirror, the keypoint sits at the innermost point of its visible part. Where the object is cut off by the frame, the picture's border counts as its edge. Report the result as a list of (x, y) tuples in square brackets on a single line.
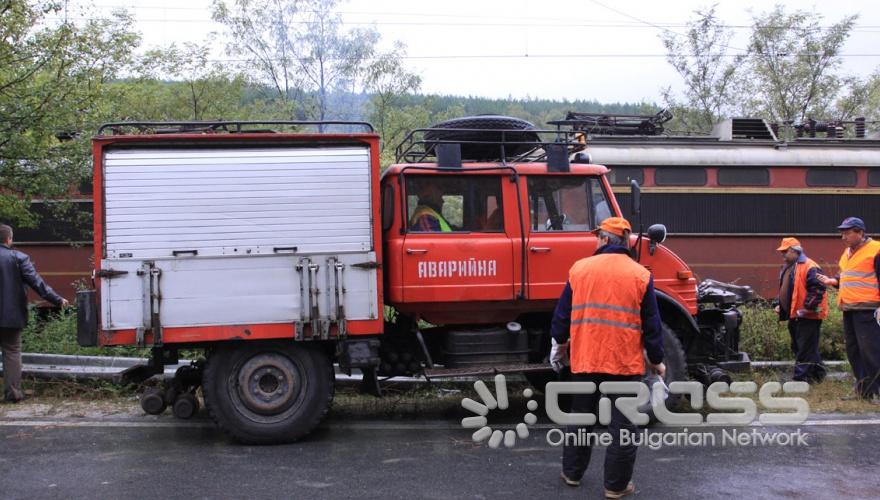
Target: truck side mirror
[(656, 235), (636, 197)]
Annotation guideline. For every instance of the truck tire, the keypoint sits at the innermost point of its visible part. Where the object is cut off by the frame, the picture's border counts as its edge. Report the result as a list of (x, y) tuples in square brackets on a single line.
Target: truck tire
[(489, 148), (265, 393), (676, 366), (673, 357)]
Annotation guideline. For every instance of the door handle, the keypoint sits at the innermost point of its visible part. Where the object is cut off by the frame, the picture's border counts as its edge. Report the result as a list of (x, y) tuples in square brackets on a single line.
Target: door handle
[(411, 251), (540, 249)]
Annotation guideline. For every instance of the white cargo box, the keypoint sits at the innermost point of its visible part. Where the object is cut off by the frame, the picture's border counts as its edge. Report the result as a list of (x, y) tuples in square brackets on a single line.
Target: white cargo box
[(234, 236)]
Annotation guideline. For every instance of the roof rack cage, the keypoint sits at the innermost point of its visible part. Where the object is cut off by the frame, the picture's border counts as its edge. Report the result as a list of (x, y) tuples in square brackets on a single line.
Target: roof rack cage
[(234, 127), (615, 124), (487, 144)]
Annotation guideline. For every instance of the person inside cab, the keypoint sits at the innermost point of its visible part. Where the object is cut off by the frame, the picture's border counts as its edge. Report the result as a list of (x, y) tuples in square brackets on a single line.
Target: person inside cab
[(428, 215)]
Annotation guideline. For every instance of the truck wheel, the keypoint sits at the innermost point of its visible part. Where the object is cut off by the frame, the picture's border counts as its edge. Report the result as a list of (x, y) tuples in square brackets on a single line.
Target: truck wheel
[(676, 366), (268, 392), (673, 357), (485, 130)]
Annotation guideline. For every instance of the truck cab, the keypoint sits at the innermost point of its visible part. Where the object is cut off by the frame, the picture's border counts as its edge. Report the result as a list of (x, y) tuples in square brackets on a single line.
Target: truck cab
[(519, 206)]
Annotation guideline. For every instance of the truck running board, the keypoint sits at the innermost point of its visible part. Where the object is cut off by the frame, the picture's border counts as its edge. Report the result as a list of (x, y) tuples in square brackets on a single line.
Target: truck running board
[(486, 370)]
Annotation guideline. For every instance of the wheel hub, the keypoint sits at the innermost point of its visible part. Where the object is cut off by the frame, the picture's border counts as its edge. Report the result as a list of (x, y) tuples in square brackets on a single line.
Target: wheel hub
[(267, 383)]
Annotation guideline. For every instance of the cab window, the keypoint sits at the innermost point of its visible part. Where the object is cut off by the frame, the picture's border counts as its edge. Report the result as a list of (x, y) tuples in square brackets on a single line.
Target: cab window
[(569, 203), (448, 203)]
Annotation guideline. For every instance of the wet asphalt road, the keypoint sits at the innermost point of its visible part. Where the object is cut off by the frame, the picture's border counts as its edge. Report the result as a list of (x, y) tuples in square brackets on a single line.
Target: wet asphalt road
[(164, 458)]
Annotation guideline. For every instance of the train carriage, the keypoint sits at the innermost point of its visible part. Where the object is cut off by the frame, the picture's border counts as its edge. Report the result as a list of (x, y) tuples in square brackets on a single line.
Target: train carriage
[(726, 198)]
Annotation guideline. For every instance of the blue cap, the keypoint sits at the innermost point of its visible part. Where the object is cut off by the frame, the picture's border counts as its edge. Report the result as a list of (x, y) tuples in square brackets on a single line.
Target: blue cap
[(852, 223)]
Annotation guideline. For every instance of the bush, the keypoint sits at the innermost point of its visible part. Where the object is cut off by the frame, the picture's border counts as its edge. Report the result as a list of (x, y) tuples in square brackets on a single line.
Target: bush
[(764, 337), (55, 333)]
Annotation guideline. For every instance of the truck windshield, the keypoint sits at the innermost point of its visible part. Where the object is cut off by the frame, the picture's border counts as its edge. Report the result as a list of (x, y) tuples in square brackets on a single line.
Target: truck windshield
[(566, 203)]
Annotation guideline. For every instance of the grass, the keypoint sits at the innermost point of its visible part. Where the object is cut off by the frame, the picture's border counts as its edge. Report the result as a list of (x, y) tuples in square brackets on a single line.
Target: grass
[(823, 398), (55, 333), (78, 390), (764, 337)]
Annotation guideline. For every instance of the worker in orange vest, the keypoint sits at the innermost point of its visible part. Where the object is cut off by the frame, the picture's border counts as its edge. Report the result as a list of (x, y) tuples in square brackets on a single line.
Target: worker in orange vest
[(859, 299), (607, 315), (804, 304)]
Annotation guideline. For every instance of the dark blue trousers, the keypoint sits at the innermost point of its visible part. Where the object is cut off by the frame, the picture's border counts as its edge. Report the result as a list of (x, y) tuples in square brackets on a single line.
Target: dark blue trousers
[(805, 346), (619, 460), (863, 350)]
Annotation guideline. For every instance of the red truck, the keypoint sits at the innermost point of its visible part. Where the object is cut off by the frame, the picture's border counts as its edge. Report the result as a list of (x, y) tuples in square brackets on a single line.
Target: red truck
[(279, 249)]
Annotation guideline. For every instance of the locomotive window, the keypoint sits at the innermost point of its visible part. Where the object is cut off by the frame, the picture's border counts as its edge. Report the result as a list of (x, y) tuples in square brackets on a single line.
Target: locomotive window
[(620, 176), (837, 177), (874, 177), (566, 203), (743, 177), (464, 203), (671, 176)]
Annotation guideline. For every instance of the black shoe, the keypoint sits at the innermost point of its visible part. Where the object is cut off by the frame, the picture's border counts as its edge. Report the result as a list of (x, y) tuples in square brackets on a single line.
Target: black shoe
[(574, 483)]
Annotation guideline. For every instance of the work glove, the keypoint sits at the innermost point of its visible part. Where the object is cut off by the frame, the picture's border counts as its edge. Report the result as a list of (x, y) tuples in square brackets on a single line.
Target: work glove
[(558, 355)]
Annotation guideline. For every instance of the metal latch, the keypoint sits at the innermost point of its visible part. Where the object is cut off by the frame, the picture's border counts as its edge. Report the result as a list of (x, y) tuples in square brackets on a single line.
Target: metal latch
[(108, 273), (367, 265)]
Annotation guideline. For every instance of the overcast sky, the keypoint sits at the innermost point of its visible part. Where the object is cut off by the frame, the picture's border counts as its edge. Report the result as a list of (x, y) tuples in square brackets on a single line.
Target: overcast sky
[(586, 49)]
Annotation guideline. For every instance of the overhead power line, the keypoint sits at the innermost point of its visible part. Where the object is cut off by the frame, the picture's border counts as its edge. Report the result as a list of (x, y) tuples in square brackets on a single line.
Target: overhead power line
[(555, 56)]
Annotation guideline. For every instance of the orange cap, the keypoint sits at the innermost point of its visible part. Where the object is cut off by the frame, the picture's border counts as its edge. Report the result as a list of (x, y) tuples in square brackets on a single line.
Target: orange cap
[(788, 243), (615, 225)]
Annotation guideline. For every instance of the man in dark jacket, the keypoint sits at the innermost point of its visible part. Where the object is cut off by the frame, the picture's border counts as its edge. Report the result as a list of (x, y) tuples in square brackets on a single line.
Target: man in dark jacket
[(804, 304), (16, 272)]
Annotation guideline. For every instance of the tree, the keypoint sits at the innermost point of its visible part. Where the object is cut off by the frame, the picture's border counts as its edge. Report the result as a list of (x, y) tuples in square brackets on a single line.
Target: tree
[(299, 49), (793, 62), (700, 57), (860, 99), (389, 85), (53, 79), (183, 84)]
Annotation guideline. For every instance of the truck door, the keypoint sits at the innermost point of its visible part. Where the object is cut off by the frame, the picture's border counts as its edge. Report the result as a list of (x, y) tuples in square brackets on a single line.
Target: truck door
[(455, 247), (563, 209)]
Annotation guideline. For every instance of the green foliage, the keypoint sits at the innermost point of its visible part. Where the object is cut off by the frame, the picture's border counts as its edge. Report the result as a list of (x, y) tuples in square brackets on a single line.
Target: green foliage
[(793, 61), (764, 337), (56, 334), (709, 76), (52, 87), (789, 71), (199, 89)]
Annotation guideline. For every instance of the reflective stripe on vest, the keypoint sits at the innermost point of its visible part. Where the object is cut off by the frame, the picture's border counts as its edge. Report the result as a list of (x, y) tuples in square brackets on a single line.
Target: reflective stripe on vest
[(425, 210), (799, 292), (606, 324), (858, 278)]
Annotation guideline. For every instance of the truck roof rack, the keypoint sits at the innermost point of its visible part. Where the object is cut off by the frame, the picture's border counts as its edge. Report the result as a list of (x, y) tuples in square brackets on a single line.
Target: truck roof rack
[(234, 127), (615, 124), (487, 144)]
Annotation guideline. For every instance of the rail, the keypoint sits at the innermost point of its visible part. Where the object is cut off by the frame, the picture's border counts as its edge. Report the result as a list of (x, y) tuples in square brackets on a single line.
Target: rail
[(487, 144), (234, 127)]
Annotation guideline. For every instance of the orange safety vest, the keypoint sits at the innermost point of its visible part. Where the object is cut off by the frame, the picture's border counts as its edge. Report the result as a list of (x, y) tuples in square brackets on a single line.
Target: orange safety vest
[(606, 323), (858, 278), (799, 293)]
